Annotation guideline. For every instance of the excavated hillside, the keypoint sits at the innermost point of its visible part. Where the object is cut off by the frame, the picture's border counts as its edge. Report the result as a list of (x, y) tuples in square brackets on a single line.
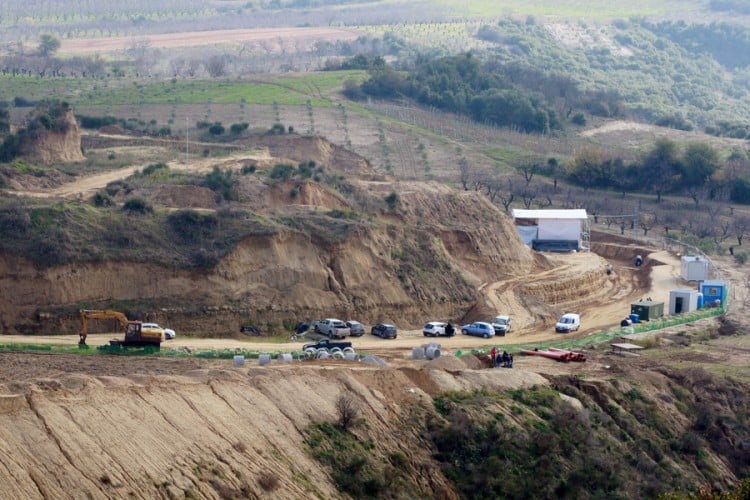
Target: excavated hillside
[(105, 426), (342, 241), (330, 247)]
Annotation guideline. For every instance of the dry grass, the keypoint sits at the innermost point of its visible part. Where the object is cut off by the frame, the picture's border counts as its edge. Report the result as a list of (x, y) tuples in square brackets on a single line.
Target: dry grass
[(268, 480)]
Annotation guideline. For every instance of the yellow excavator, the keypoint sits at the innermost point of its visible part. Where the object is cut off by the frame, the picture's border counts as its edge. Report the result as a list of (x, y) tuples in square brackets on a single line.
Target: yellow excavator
[(135, 334)]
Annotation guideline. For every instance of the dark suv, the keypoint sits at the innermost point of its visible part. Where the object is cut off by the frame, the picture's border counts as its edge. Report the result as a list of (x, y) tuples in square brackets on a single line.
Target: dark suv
[(384, 330)]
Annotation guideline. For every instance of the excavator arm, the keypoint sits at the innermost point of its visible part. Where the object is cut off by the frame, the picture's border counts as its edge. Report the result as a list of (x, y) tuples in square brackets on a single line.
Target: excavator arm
[(87, 314)]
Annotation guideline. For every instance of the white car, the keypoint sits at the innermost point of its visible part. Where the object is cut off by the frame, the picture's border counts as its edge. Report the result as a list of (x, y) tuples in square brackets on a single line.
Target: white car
[(501, 324), (168, 332), (568, 322), (438, 329)]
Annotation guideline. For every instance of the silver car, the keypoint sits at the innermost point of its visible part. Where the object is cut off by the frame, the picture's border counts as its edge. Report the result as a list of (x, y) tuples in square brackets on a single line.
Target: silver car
[(356, 328)]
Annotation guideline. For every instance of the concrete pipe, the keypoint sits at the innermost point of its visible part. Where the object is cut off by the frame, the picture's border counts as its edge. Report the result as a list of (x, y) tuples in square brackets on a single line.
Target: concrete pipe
[(432, 352)]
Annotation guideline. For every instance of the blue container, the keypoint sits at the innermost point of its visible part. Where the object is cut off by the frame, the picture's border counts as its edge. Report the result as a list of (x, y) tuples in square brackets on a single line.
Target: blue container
[(634, 318), (700, 301)]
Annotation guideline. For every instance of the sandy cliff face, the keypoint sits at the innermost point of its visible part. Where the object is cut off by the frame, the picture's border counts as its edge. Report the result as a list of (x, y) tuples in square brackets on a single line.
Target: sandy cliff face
[(100, 430), (61, 144), (405, 271)]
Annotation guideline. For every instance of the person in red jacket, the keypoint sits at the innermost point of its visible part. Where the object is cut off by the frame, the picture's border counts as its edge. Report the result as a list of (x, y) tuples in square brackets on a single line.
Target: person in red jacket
[(493, 355)]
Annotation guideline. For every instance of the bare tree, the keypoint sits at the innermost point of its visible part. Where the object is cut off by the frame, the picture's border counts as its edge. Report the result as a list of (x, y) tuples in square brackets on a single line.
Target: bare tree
[(528, 195), (545, 202), (697, 193), (347, 410), (722, 230), (492, 187), (646, 221), (177, 66), (740, 225), (463, 168), (527, 171), (506, 197), (216, 66)]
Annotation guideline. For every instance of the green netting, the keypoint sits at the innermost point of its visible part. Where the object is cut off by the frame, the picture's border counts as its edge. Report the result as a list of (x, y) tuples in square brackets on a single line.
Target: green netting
[(606, 336)]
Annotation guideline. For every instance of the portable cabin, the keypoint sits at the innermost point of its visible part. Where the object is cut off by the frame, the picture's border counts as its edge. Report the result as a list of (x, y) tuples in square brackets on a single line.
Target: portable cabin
[(553, 230), (714, 293), (647, 310), (683, 301), (694, 268)]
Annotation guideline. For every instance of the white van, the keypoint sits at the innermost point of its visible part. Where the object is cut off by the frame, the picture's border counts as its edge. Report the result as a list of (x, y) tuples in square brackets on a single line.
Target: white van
[(568, 322)]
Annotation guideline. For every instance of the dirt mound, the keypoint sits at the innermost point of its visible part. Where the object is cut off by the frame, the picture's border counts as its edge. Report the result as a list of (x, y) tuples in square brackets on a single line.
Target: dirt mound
[(306, 148), (300, 193), (169, 195), (61, 144)]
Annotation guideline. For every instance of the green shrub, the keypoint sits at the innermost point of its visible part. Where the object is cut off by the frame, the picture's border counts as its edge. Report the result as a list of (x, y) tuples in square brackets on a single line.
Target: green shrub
[(115, 187), (222, 182), (277, 129), (216, 129), (578, 119), (190, 225), (102, 200), (153, 168), (740, 257), (282, 171), (248, 169), (392, 200), (94, 122), (137, 205), (238, 128)]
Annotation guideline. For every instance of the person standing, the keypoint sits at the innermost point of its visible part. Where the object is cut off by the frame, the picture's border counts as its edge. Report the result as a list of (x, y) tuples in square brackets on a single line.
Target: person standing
[(505, 359), (493, 356)]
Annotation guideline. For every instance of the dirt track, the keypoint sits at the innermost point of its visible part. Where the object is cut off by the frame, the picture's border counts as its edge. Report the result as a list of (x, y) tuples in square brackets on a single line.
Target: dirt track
[(197, 38), (597, 315)]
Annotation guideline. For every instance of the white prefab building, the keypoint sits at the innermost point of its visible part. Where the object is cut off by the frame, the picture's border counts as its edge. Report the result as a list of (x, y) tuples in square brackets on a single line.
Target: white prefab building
[(553, 230), (683, 301), (694, 268)]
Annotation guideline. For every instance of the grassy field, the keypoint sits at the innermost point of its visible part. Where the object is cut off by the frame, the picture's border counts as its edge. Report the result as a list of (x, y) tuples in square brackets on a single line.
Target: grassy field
[(293, 90), (587, 10)]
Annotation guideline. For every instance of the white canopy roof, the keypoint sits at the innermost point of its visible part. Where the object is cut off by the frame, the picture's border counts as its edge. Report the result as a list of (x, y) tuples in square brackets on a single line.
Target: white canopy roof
[(573, 214)]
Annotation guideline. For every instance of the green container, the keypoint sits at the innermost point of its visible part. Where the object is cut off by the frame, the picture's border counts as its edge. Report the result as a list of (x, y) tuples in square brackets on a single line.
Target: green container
[(647, 310)]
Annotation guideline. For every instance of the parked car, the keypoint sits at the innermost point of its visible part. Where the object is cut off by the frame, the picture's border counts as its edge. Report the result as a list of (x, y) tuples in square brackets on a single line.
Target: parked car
[(326, 344), (501, 324), (568, 322), (333, 328), (479, 329), (252, 329), (438, 329), (356, 329), (168, 332), (384, 330)]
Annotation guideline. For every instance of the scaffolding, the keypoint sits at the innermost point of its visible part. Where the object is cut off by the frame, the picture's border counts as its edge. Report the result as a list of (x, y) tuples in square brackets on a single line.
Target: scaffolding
[(585, 236)]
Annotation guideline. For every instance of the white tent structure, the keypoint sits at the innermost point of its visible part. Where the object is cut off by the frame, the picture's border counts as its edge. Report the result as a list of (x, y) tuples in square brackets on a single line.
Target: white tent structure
[(553, 230)]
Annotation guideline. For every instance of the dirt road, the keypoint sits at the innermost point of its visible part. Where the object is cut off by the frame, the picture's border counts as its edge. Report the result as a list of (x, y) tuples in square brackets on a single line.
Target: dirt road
[(197, 38)]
